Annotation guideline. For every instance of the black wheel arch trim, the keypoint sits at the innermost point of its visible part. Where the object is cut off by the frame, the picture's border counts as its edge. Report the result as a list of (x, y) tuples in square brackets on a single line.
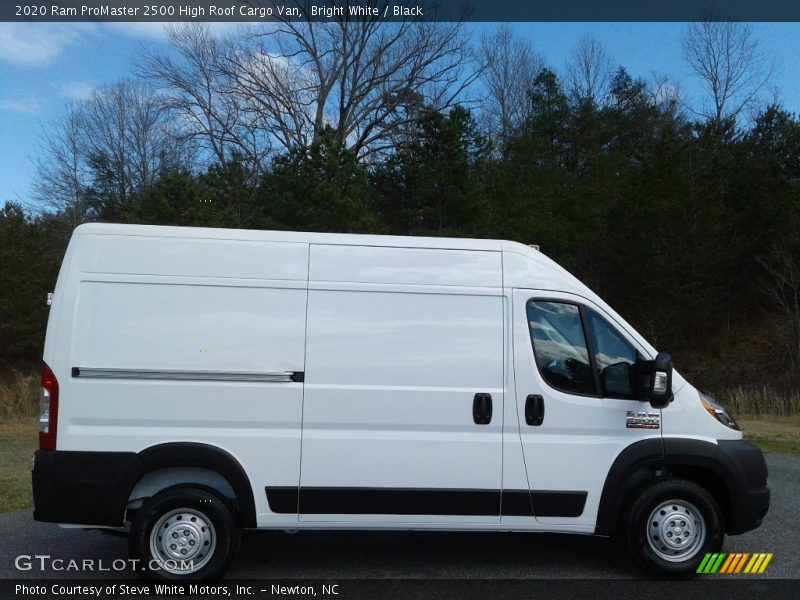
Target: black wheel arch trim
[(93, 487), (738, 464), (639, 454), (213, 458)]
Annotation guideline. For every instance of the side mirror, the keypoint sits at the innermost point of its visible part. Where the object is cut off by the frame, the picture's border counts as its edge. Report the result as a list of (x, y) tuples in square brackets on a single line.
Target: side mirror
[(659, 390)]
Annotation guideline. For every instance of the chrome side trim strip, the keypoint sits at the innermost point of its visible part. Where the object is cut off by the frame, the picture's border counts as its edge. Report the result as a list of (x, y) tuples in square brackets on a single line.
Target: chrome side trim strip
[(279, 377)]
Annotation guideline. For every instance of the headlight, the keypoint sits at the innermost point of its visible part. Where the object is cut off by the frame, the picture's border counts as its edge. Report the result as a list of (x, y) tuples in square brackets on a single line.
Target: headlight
[(716, 410)]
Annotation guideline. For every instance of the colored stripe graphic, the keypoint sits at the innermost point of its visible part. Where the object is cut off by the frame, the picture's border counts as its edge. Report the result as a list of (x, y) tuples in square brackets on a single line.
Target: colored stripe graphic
[(758, 563), (733, 563), (740, 564), (717, 564), (764, 564), (701, 568), (728, 562), (711, 563), (754, 564)]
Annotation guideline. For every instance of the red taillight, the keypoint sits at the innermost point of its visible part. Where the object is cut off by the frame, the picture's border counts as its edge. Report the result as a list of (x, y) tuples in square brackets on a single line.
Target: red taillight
[(48, 416)]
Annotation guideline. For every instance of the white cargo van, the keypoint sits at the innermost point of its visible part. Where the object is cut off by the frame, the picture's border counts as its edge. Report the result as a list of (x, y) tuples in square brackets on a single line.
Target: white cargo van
[(197, 382)]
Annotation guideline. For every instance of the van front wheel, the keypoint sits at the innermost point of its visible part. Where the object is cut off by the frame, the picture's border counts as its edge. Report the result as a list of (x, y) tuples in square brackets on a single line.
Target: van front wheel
[(671, 526), (185, 533)]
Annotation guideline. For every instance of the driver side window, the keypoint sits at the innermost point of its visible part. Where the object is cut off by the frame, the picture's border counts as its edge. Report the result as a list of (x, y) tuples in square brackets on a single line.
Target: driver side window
[(605, 366), (560, 346)]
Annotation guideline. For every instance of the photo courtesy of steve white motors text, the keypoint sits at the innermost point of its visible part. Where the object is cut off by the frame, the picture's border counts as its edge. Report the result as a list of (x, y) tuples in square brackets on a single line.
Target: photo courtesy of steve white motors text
[(171, 589)]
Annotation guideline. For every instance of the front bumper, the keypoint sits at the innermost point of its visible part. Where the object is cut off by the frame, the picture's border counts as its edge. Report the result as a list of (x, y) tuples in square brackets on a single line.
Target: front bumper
[(749, 494)]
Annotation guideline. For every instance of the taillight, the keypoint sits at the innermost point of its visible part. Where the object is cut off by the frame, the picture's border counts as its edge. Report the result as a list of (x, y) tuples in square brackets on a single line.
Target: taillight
[(48, 405)]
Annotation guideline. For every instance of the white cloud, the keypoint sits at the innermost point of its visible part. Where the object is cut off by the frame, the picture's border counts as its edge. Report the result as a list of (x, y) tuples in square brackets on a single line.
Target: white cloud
[(37, 44), (667, 92), (23, 106), (76, 90)]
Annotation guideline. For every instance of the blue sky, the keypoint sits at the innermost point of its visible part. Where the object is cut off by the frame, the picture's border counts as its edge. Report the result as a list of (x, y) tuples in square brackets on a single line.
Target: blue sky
[(44, 66)]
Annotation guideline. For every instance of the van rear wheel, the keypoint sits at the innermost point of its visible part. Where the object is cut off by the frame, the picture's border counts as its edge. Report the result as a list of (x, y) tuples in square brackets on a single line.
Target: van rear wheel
[(670, 527), (184, 533)]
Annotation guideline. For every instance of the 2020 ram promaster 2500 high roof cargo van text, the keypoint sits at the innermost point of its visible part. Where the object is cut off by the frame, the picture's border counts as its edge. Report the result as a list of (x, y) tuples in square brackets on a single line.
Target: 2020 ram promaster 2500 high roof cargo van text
[(201, 381)]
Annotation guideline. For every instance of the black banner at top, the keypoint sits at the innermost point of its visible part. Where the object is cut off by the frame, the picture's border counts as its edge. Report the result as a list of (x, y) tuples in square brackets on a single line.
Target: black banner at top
[(397, 10)]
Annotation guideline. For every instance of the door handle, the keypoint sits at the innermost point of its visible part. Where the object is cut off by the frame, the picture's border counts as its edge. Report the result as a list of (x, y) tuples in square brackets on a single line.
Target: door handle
[(482, 409), (534, 410)]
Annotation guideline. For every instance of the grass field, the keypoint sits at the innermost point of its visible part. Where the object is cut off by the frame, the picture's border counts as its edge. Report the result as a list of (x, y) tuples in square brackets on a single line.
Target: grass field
[(18, 440), (773, 434), (19, 394)]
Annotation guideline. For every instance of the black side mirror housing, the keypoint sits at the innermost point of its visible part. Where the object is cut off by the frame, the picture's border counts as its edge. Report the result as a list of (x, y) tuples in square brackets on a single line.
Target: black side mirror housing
[(659, 387)]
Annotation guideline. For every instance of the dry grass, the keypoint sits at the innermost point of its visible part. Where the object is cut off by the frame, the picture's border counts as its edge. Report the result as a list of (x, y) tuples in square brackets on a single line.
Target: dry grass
[(773, 434), (18, 440), (769, 419), (760, 401), (19, 395)]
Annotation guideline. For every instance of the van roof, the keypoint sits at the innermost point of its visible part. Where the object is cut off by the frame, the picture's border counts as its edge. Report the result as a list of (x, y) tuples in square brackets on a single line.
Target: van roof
[(301, 236), (542, 262), (542, 265)]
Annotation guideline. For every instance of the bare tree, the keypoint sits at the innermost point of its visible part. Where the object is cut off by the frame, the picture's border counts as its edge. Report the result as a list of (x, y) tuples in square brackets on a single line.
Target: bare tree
[(729, 62), (61, 169), (589, 71), (124, 127), (364, 80), (107, 147), (511, 65), (286, 82), (197, 92)]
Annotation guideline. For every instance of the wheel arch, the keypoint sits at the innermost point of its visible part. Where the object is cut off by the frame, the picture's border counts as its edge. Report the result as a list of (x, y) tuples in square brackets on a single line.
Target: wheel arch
[(205, 458), (647, 460), (158, 480)]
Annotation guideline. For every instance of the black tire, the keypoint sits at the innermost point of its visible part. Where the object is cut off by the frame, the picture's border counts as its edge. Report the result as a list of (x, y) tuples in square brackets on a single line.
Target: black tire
[(210, 536), (665, 511)]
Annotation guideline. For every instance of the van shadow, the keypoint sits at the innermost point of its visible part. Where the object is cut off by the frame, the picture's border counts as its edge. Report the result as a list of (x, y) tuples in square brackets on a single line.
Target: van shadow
[(423, 554)]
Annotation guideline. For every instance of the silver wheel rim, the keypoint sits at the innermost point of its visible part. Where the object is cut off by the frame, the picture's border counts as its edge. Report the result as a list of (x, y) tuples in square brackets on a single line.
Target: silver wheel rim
[(676, 530), (182, 541)]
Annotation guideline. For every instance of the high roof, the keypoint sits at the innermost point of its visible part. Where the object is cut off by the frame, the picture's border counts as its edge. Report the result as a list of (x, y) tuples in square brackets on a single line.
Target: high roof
[(296, 236), (523, 266)]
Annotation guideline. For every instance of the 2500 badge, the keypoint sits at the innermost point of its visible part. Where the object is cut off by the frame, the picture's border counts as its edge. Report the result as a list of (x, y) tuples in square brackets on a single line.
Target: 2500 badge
[(640, 419)]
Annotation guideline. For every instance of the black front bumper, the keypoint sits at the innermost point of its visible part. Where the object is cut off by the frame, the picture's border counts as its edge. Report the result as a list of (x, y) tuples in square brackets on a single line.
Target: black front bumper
[(85, 488), (749, 494)]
